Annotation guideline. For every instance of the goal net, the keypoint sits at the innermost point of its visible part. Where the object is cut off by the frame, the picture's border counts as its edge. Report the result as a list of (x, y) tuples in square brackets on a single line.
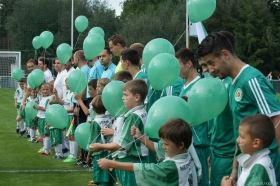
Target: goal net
[(9, 60)]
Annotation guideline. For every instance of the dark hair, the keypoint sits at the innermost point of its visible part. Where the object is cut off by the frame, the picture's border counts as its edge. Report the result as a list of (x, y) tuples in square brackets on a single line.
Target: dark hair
[(137, 86), (215, 42), (123, 76), (178, 131), (80, 54), (260, 126), (43, 59), (31, 60), (131, 55), (117, 39), (108, 50), (22, 80), (185, 55), (97, 105), (139, 47), (93, 83)]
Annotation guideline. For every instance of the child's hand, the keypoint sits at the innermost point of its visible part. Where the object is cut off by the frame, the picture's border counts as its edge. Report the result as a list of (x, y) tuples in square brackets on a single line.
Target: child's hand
[(226, 181), (95, 146), (135, 132), (107, 131), (47, 126), (78, 97), (104, 163)]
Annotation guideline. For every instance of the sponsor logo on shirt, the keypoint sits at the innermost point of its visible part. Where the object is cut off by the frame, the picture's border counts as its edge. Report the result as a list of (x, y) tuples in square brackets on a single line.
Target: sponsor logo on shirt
[(238, 94)]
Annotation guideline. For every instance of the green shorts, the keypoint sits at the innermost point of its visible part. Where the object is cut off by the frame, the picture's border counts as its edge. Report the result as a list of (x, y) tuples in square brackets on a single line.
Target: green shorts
[(41, 126), (55, 136)]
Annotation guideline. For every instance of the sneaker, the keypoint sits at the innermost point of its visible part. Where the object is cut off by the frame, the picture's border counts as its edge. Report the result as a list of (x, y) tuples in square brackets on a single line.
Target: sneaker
[(58, 157), (28, 136), (45, 153), (70, 159), (41, 150), (22, 132), (65, 150), (17, 131), (79, 162)]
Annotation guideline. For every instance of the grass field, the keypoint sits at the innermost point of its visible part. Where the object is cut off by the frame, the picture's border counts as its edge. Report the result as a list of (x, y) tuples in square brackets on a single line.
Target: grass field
[(20, 162)]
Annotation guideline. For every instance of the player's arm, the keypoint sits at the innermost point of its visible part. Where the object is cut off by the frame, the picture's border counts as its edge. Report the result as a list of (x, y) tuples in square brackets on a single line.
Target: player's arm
[(107, 164), (276, 122), (106, 146)]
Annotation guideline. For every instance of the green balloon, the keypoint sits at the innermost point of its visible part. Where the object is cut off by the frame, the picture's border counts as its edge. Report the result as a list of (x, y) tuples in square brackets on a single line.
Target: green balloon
[(163, 71), (200, 10), (35, 78), (154, 47), (36, 42), (81, 23), (17, 74), (112, 98), (164, 110), (82, 135), (64, 52), (97, 30), (57, 116), (46, 38), (207, 99), (30, 112), (77, 81), (93, 45)]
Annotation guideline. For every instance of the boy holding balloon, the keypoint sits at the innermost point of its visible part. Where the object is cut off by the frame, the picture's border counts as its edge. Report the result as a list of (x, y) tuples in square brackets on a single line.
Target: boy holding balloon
[(176, 167), (19, 94), (134, 94)]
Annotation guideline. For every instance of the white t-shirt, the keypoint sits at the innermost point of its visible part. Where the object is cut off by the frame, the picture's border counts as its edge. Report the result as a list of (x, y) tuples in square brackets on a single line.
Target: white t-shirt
[(58, 83), (43, 102), (66, 76), (48, 76)]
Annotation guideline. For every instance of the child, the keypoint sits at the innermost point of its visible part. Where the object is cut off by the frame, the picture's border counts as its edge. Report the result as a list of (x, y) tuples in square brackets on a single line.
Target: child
[(100, 121), (55, 133), (19, 94), (68, 104), (256, 133), (123, 76), (174, 170), (86, 113), (101, 83), (43, 103), (134, 95), (32, 124)]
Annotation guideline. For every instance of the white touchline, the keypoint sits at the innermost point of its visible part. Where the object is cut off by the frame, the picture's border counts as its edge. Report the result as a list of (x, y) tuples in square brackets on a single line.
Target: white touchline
[(44, 170)]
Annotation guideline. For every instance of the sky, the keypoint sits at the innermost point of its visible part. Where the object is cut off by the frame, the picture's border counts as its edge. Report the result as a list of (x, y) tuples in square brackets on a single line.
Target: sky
[(116, 4)]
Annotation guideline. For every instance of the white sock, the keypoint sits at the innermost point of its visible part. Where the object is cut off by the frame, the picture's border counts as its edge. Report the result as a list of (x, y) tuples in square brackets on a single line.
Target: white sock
[(58, 150), (47, 144), (73, 148), (65, 140), (32, 133), (21, 125), (17, 125)]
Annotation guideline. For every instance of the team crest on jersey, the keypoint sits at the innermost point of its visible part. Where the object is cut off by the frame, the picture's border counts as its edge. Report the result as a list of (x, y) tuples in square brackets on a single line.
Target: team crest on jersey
[(238, 94)]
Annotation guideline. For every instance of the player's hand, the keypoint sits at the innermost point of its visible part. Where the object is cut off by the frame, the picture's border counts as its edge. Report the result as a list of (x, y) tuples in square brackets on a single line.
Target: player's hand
[(78, 97), (135, 132), (105, 163), (227, 181), (107, 131), (95, 146)]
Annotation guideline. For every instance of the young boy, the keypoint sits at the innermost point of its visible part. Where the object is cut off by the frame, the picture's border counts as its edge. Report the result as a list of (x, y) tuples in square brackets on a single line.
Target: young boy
[(100, 121), (19, 94), (134, 95), (44, 132), (256, 133), (174, 170)]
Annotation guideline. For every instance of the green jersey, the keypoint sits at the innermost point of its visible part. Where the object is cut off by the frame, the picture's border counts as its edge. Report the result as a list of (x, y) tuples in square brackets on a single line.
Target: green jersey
[(176, 171), (200, 132), (140, 75), (251, 93), (136, 116), (222, 137)]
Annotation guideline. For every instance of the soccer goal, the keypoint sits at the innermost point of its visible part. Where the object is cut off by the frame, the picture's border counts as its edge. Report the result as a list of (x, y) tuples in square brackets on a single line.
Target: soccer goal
[(9, 60)]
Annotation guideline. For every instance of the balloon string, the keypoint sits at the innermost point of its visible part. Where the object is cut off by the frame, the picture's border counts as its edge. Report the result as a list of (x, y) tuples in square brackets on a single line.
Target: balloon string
[(35, 54), (179, 38), (77, 41)]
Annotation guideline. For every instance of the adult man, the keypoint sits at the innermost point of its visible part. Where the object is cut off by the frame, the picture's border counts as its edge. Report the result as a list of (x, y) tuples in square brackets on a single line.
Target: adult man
[(117, 45), (106, 61), (250, 92), (60, 78), (42, 64), (30, 65), (200, 138), (81, 63)]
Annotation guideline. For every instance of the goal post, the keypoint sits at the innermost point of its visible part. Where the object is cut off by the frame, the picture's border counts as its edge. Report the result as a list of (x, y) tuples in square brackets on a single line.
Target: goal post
[(9, 60)]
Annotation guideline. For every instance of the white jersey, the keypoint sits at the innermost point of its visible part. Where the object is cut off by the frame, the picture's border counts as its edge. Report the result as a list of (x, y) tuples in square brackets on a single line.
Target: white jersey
[(43, 102), (48, 76), (58, 83), (247, 162), (104, 121), (19, 93), (68, 101)]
